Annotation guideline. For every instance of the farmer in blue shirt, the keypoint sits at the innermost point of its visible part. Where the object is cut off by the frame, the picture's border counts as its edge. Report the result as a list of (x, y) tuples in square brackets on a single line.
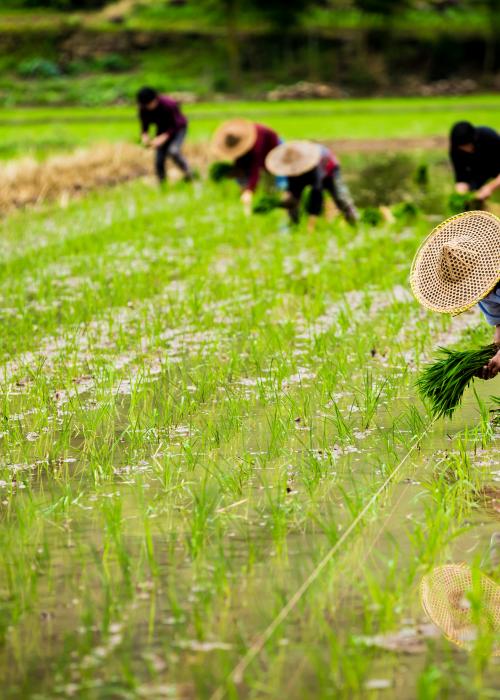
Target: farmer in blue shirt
[(458, 266)]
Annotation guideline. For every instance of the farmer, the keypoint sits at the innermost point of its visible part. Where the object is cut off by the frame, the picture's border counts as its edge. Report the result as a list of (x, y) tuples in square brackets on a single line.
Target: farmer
[(475, 154), (458, 266), (246, 145), (308, 164), (171, 127)]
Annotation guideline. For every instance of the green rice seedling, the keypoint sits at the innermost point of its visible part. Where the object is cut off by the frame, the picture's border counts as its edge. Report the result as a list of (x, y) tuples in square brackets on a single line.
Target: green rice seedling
[(421, 176), (372, 216), (220, 170), (458, 203), (155, 483), (443, 382), (407, 211), (369, 397), (266, 202)]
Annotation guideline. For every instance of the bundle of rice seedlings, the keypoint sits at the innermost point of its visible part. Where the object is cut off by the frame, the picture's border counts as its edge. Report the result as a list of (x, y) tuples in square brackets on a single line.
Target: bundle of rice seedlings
[(220, 170), (458, 203), (372, 216), (406, 210), (443, 382), (266, 202)]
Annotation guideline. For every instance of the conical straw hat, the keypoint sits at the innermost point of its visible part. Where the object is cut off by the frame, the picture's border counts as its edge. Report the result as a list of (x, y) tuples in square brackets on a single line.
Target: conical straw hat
[(459, 262), (444, 594), (234, 138), (293, 158)]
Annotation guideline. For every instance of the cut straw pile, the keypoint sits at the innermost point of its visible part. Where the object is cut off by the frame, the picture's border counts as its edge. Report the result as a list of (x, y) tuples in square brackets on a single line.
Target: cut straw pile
[(443, 382), (26, 181)]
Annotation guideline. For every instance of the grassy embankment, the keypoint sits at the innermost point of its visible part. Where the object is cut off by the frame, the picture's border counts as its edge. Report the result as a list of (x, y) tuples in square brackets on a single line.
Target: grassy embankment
[(40, 131)]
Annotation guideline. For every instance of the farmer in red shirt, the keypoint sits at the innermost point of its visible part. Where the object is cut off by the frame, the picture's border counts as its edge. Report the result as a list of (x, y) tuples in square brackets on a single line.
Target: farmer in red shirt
[(309, 164), (246, 145), (171, 127)]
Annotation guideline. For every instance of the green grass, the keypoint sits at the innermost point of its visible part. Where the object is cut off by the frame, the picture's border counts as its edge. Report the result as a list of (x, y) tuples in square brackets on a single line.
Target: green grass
[(195, 406), (43, 130)]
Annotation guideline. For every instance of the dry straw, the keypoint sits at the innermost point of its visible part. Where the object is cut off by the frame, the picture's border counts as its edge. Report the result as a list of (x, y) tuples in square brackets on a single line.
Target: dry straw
[(26, 181), (462, 607)]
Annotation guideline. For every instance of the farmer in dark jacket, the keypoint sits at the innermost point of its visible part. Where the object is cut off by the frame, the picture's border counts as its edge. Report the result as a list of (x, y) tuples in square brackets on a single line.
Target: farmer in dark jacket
[(246, 145), (171, 127), (306, 164), (475, 154)]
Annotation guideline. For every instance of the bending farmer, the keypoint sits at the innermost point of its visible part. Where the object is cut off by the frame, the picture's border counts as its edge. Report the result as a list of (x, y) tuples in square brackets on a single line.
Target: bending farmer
[(475, 154), (246, 145), (308, 164), (458, 266), (171, 127)]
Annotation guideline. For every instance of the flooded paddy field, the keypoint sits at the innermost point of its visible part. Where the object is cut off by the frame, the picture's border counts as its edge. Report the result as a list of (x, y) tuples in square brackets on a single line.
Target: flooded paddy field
[(216, 478)]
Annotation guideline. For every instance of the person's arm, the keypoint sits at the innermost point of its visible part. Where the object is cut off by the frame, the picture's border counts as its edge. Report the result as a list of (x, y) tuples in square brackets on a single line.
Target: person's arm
[(254, 172), (165, 123), (160, 139), (487, 190), (491, 370), (462, 177), (251, 181), (491, 311), (246, 200), (144, 127)]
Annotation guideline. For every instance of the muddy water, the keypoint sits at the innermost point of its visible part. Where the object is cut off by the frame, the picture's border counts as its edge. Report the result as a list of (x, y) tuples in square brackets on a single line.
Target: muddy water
[(100, 616)]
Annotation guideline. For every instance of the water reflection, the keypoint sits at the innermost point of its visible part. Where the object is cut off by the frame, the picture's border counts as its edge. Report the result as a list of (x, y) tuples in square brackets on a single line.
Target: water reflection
[(464, 603)]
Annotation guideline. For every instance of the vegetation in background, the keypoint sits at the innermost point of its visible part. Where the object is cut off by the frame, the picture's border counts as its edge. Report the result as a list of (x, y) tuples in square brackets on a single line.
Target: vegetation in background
[(245, 48)]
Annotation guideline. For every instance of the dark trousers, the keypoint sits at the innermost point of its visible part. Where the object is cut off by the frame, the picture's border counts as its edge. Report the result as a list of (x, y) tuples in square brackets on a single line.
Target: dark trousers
[(333, 184), (171, 149)]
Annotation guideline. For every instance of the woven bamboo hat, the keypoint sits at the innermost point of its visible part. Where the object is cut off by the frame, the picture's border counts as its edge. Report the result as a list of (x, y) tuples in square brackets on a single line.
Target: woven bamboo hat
[(458, 264), (234, 138), (445, 597), (293, 158)]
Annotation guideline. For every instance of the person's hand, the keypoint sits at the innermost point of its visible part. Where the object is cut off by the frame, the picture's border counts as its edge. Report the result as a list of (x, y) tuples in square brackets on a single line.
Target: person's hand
[(484, 192), (159, 140), (287, 200), (462, 187), (146, 141), (246, 200), (490, 370), (311, 223)]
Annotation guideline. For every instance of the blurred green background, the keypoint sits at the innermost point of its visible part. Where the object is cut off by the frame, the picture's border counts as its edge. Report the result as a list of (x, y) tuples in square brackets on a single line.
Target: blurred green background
[(89, 52)]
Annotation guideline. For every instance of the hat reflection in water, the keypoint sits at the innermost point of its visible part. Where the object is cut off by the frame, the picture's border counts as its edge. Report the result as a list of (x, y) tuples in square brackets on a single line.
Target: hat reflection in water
[(465, 606)]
